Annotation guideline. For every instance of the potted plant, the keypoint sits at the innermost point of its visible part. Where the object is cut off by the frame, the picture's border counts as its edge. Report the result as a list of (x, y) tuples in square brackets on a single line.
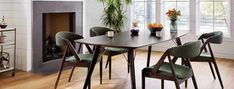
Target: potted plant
[(114, 13)]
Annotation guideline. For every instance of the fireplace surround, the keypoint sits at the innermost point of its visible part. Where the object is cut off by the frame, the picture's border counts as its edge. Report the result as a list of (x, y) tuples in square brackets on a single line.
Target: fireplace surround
[(43, 9)]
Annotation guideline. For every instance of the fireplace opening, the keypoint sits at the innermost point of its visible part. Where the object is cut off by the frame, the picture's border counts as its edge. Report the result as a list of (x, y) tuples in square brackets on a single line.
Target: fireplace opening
[(53, 23)]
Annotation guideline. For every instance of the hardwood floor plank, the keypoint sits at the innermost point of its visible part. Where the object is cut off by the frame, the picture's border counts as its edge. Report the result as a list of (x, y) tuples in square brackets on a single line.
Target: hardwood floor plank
[(120, 76)]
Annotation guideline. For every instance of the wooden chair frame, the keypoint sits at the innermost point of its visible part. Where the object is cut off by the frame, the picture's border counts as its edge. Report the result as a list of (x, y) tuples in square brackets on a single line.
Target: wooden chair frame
[(206, 41), (69, 46), (177, 81)]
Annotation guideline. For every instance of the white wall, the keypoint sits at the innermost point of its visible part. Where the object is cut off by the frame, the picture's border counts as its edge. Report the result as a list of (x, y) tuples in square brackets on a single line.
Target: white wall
[(93, 15), (16, 16)]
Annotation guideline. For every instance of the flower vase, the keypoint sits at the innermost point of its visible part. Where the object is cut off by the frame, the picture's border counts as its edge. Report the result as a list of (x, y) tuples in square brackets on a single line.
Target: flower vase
[(173, 26)]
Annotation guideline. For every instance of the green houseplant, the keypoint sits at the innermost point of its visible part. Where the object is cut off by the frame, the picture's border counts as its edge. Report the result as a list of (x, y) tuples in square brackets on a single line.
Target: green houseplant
[(114, 13)]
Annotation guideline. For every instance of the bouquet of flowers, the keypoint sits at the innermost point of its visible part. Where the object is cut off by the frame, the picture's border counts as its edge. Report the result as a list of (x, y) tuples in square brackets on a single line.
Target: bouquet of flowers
[(173, 14)]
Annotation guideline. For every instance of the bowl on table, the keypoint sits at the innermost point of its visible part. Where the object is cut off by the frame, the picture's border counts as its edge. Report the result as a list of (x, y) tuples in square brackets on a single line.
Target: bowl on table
[(153, 30), (155, 27)]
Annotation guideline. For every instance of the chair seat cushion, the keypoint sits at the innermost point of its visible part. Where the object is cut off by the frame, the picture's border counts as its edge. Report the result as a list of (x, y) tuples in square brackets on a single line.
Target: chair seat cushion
[(83, 57), (204, 56), (181, 72), (115, 51)]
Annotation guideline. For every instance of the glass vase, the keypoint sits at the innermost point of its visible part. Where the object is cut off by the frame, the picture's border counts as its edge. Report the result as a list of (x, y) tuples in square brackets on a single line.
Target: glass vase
[(173, 26)]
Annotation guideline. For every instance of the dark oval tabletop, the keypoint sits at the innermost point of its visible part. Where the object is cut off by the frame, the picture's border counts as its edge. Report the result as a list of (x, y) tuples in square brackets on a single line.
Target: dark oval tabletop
[(126, 40)]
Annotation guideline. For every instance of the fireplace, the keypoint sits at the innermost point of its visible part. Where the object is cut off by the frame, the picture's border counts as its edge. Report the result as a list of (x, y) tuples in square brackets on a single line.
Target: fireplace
[(50, 17), (51, 24)]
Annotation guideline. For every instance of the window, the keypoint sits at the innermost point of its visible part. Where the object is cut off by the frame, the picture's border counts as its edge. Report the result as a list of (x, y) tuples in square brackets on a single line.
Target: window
[(207, 15), (183, 6), (144, 11), (213, 15)]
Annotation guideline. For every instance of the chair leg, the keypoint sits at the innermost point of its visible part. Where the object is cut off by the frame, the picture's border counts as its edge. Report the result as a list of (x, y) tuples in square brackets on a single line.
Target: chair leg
[(177, 84), (107, 62), (143, 80), (162, 84), (217, 71), (109, 58), (73, 68), (101, 71), (212, 70), (194, 82), (193, 77), (128, 64), (89, 86), (59, 74), (186, 83)]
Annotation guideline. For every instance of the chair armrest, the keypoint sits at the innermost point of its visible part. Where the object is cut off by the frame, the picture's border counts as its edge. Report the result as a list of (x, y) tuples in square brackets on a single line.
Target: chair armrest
[(161, 60)]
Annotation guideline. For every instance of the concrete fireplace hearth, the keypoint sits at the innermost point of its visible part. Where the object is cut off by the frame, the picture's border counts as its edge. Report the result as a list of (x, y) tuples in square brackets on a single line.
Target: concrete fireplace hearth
[(48, 18)]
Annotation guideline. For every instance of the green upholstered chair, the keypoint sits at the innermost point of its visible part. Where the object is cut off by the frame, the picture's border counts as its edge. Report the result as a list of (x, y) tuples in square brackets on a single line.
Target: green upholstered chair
[(66, 39), (169, 71), (206, 54), (110, 51)]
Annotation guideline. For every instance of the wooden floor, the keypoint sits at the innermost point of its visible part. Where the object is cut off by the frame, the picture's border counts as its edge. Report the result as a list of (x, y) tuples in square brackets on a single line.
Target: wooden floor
[(120, 77)]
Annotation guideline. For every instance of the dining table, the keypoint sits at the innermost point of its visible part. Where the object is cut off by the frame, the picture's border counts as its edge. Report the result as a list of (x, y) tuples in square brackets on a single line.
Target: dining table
[(131, 42)]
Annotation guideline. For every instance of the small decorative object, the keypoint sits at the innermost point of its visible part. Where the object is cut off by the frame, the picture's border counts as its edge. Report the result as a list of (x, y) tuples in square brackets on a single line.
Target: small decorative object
[(3, 24), (155, 28), (173, 16), (134, 32), (135, 28), (135, 24), (110, 34), (2, 37)]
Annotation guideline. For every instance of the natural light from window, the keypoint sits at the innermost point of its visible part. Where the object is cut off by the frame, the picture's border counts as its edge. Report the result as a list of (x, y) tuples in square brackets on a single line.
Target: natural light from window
[(213, 15), (144, 12), (183, 6)]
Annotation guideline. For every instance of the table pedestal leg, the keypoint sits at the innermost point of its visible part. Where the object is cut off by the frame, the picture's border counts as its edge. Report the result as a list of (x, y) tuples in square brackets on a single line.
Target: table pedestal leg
[(95, 58), (132, 68), (148, 57), (178, 41)]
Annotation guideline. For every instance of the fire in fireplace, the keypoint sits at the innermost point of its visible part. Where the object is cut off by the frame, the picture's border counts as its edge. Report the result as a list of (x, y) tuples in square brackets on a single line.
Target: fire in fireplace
[(53, 23)]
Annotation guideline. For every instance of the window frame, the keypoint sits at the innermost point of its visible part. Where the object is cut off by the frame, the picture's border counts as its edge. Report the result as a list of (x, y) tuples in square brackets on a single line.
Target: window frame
[(133, 18), (194, 17), (198, 30), (163, 14)]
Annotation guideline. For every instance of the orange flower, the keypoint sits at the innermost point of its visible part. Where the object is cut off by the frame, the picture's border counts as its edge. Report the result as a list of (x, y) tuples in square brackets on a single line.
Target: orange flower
[(173, 14)]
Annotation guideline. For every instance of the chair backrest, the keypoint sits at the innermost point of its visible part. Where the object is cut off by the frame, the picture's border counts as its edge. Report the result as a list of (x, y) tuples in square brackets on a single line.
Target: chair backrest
[(96, 31), (187, 50), (62, 37), (215, 37)]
